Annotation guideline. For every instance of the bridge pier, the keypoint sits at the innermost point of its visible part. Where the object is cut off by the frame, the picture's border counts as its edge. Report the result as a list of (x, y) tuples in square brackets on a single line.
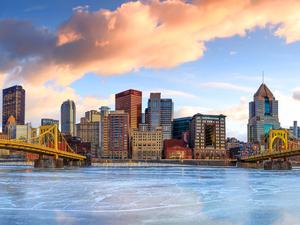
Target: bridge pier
[(57, 163), (277, 165)]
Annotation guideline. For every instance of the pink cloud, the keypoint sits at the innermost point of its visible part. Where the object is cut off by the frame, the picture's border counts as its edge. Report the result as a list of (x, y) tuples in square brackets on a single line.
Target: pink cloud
[(140, 34)]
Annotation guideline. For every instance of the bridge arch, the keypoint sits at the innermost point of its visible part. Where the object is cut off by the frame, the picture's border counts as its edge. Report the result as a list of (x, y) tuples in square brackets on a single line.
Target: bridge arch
[(278, 135)]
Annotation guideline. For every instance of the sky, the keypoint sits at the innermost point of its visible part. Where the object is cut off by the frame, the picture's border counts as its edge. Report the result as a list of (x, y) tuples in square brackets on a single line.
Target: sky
[(208, 55)]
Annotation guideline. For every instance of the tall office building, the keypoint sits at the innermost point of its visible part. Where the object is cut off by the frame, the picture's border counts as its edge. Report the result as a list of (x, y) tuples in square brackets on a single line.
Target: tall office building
[(208, 136), (88, 130), (160, 114), (131, 102), (68, 117), (13, 104), (103, 132), (118, 138), (263, 115)]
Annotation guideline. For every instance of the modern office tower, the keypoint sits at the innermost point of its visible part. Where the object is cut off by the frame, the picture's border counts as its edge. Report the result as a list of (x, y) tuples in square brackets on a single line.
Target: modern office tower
[(118, 138), (160, 114), (152, 113), (88, 130), (208, 136), (180, 126), (68, 117), (146, 144), (131, 102), (103, 132), (47, 121), (263, 115), (13, 104)]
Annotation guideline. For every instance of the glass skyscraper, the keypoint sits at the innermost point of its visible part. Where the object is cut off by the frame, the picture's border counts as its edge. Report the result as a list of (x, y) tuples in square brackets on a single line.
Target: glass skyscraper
[(160, 114), (68, 117)]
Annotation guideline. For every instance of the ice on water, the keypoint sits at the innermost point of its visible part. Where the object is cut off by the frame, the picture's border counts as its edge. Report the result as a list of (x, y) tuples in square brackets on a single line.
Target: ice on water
[(149, 195)]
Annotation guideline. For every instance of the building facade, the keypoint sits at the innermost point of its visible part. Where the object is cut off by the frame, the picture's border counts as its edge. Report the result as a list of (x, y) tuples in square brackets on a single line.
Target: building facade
[(131, 102), (177, 149), (294, 131), (147, 144), (263, 115), (13, 104), (88, 131), (47, 121), (118, 134), (68, 117), (159, 113), (103, 132), (180, 126), (208, 136)]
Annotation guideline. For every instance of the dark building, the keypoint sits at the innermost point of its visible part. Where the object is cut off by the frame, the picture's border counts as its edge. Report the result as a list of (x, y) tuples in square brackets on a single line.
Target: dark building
[(13, 104), (79, 146), (208, 136), (180, 126), (131, 102), (47, 121)]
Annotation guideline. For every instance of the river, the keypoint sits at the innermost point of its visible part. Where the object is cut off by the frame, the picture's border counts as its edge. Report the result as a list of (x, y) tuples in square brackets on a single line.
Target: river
[(149, 196)]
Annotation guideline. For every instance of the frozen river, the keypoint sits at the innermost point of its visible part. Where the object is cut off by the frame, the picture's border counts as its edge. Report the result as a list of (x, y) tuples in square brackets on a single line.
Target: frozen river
[(152, 195)]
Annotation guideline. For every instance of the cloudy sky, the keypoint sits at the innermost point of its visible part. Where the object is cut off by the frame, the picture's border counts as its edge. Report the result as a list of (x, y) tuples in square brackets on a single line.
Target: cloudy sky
[(208, 55)]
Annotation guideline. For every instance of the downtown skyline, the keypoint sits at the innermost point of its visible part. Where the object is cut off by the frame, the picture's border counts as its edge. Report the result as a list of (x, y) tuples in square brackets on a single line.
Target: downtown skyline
[(220, 79)]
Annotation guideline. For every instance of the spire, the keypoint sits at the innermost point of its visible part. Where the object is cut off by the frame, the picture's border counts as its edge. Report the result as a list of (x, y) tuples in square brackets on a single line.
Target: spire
[(263, 91)]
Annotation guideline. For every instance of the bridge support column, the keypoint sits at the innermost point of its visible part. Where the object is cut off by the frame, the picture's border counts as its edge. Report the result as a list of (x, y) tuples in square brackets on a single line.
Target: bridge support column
[(48, 163), (277, 165)]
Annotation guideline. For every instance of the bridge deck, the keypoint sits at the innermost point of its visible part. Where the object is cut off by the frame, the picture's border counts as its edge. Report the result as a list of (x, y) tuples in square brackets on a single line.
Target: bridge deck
[(38, 149), (273, 155)]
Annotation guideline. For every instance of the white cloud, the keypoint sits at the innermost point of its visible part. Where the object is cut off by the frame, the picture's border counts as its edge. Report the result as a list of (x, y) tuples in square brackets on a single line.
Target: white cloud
[(226, 86)]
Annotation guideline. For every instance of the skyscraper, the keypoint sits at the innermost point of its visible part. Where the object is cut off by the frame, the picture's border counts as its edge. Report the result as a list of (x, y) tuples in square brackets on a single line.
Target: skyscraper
[(103, 132), (131, 102), (263, 115), (13, 104), (47, 121), (118, 129), (68, 117), (180, 126), (160, 114)]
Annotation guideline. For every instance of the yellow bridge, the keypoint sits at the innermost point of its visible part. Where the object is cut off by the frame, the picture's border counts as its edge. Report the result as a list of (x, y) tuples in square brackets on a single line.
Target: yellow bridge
[(49, 142), (278, 146)]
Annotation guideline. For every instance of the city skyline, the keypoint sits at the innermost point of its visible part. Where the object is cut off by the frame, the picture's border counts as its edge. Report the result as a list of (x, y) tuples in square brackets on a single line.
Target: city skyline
[(222, 71)]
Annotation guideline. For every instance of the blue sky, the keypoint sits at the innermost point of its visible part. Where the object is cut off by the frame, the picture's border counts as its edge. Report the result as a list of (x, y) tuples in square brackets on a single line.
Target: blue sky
[(223, 80)]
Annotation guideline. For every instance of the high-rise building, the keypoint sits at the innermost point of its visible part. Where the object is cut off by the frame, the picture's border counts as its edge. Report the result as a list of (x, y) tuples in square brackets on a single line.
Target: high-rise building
[(47, 121), (208, 136), (88, 130), (131, 102), (180, 126), (263, 115), (160, 114), (146, 144), (118, 138), (68, 117), (103, 132), (13, 104)]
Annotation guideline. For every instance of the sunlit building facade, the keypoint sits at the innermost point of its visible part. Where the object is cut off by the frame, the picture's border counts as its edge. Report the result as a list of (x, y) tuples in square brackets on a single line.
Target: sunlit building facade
[(131, 102)]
